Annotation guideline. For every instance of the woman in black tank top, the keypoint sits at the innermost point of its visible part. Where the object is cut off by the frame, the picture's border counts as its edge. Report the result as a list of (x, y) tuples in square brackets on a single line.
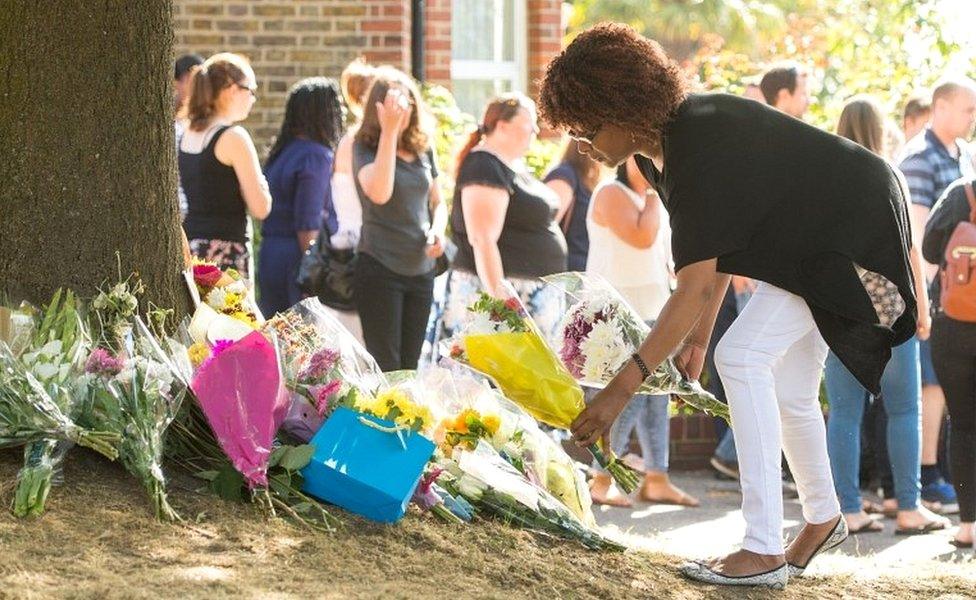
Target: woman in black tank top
[(218, 164)]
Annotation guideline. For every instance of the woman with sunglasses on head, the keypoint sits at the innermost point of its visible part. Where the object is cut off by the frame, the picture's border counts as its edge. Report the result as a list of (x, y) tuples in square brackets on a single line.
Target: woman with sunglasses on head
[(403, 220), (503, 219), (219, 167), (751, 192)]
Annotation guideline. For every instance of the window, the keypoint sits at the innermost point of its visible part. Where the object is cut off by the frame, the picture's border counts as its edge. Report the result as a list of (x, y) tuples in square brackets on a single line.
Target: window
[(488, 54)]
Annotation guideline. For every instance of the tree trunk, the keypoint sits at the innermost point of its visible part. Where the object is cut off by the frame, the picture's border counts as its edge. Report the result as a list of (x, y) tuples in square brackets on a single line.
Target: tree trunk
[(87, 159)]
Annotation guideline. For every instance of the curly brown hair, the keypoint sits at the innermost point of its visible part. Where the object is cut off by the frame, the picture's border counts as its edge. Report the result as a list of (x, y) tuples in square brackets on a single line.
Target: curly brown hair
[(416, 137), (612, 74)]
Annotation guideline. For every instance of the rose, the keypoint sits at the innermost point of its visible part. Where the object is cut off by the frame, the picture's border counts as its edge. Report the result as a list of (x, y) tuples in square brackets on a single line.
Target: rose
[(206, 275)]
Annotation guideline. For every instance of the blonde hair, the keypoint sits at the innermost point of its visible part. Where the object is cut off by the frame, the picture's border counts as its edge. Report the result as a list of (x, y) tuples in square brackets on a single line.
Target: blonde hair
[(217, 73), (862, 121), (355, 81)]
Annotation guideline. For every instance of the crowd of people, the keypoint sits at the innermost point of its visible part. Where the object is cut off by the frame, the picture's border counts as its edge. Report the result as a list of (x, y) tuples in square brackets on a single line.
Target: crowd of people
[(353, 167)]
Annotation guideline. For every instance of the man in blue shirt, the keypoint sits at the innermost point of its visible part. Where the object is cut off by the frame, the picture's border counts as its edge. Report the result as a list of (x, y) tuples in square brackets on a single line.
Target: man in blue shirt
[(930, 162)]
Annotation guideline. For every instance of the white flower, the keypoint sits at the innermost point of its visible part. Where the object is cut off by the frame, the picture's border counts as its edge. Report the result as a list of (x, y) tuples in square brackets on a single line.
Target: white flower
[(481, 324), (603, 350), (51, 349), (217, 298), (45, 371)]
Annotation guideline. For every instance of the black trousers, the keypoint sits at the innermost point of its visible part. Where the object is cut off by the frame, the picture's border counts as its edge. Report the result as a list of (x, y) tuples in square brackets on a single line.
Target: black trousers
[(954, 359), (394, 310)]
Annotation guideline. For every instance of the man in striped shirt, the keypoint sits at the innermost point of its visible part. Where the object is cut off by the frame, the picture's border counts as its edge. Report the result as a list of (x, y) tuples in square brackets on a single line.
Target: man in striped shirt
[(930, 162)]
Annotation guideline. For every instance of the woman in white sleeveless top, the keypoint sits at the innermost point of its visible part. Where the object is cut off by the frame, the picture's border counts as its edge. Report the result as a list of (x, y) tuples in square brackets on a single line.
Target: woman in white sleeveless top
[(355, 81), (630, 247)]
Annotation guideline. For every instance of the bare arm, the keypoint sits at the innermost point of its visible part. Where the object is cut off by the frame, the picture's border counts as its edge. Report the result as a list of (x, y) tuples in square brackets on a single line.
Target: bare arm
[(638, 227), (236, 149), (919, 216), (376, 178), (484, 211), (343, 154), (565, 193), (305, 238), (694, 298)]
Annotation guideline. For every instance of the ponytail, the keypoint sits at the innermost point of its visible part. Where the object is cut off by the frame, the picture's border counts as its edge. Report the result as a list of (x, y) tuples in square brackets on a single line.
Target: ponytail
[(219, 72), (502, 108), (473, 140)]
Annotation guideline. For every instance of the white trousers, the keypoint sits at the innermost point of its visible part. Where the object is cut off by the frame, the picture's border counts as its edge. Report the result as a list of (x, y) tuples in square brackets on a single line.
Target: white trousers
[(770, 361)]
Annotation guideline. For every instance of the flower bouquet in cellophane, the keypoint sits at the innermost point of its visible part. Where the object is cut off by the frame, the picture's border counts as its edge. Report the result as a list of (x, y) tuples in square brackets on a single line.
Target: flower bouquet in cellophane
[(225, 305), (501, 341), (324, 366), (600, 332), (478, 412)]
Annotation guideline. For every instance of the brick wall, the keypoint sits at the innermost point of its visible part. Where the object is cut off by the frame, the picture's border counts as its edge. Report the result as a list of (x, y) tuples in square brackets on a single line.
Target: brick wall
[(287, 40), (437, 42), (544, 38)]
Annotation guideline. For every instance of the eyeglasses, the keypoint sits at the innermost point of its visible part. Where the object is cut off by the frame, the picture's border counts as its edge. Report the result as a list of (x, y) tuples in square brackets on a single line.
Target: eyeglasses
[(253, 90), (586, 136)]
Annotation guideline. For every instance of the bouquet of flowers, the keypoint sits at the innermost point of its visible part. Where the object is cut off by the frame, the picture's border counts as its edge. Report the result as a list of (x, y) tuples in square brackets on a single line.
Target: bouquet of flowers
[(54, 355), (323, 364), (137, 392), (478, 412), (502, 342), (491, 484), (28, 414), (225, 306), (600, 332), (241, 392)]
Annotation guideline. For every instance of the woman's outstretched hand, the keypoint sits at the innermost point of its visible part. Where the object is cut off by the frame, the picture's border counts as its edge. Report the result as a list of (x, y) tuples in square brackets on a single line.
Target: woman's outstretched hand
[(594, 423)]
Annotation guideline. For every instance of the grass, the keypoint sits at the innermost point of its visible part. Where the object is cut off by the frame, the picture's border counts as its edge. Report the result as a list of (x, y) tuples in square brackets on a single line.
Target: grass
[(98, 539)]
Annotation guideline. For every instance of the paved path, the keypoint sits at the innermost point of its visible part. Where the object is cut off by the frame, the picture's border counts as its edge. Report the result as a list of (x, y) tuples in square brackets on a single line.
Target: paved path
[(717, 526)]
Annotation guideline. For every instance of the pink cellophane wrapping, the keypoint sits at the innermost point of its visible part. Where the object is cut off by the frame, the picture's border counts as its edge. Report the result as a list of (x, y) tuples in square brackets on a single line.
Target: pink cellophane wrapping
[(243, 396)]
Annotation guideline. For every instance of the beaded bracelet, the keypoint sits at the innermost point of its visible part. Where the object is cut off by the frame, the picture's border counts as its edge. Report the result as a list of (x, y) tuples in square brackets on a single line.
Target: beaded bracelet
[(645, 372)]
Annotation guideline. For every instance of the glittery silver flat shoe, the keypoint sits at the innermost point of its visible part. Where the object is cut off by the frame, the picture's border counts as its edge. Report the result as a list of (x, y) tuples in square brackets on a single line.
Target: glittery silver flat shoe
[(775, 579), (836, 537)]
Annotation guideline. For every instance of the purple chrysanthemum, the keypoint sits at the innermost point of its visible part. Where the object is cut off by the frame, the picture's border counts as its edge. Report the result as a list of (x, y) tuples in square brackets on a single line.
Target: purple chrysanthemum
[(319, 365), (101, 362)]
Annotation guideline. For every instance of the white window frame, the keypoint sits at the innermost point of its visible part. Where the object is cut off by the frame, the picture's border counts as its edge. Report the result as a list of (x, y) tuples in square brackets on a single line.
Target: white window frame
[(498, 69)]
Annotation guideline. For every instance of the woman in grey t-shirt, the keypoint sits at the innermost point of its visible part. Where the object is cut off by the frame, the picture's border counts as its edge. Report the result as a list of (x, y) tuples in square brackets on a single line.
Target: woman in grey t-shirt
[(403, 221)]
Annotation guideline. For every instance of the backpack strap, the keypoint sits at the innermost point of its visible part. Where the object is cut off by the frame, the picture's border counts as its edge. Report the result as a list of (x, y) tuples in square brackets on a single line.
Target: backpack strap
[(971, 197)]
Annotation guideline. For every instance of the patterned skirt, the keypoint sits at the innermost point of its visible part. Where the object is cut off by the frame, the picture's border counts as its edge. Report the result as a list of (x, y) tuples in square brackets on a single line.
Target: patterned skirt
[(545, 303), (227, 255)]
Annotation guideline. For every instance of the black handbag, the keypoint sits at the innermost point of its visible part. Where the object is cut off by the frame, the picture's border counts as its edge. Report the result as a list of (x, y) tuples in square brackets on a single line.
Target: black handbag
[(327, 272)]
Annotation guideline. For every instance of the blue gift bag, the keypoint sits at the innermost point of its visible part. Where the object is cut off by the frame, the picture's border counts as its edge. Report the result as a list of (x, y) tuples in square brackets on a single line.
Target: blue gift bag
[(366, 465)]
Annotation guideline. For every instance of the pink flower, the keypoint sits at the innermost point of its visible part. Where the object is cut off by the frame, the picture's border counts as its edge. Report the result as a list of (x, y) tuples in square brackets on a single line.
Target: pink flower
[(324, 393), (319, 365), (101, 362), (218, 347), (206, 276)]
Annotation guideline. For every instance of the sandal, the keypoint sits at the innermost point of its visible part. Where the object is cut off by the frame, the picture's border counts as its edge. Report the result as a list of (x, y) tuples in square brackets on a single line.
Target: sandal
[(921, 529), (961, 545), (683, 500), (870, 526)]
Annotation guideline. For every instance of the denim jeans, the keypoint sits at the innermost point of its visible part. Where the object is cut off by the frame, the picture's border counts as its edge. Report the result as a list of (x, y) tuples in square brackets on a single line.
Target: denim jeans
[(901, 393), (725, 451), (649, 416)]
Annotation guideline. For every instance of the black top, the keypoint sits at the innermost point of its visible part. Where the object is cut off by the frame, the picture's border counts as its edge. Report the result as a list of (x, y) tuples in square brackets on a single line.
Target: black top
[(780, 201), (215, 205), (950, 210), (531, 244), (574, 228), (395, 233)]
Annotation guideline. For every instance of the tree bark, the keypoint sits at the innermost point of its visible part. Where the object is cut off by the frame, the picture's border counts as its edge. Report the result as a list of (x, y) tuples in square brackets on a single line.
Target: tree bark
[(87, 156)]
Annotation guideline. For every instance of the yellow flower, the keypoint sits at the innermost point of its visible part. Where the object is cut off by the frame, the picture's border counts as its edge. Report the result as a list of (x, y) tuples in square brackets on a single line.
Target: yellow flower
[(491, 423), (198, 353)]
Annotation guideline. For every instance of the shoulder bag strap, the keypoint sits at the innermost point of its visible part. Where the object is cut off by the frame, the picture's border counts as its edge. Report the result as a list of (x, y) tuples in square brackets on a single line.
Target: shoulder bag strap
[(971, 197)]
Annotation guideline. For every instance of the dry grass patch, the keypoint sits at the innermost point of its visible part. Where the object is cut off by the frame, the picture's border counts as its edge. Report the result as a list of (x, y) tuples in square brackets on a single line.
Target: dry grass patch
[(99, 540)]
